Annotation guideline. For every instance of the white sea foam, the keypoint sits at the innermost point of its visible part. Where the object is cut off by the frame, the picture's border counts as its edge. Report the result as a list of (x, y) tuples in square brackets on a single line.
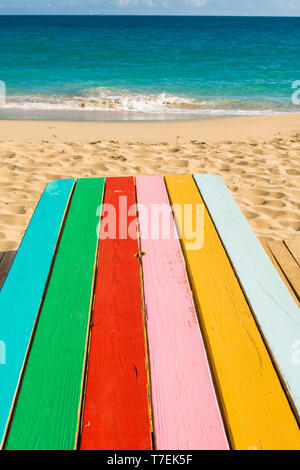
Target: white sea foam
[(102, 99)]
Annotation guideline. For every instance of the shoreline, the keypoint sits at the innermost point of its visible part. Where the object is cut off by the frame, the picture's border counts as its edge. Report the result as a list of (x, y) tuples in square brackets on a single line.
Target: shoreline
[(226, 128), (258, 158)]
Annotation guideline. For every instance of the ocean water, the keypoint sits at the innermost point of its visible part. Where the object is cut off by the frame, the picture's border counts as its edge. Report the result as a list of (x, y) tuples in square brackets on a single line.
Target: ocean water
[(147, 67)]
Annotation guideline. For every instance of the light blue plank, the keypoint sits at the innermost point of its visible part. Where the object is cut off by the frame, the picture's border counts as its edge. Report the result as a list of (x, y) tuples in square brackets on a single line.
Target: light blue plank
[(23, 289), (274, 308)]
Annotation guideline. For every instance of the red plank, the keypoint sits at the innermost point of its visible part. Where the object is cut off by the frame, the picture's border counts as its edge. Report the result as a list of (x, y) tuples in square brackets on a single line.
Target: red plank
[(116, 413)]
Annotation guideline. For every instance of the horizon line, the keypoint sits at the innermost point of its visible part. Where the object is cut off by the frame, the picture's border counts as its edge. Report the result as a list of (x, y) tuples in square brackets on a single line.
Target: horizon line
[(153, 14)]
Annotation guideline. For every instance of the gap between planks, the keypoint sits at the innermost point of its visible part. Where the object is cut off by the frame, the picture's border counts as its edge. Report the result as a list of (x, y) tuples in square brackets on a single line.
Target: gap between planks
[(6, 260), (89, 329), (117, 353), (22, 372), (286, 265), (293, 246), (148, 366)]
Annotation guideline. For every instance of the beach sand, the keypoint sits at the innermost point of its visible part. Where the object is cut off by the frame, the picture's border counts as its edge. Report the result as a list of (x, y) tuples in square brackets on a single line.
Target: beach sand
[(258, 157)]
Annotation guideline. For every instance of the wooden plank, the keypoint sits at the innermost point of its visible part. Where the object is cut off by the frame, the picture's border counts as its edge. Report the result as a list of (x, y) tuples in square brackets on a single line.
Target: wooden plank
[(279, 270), (294, 247), (257, 412), (6, 260), (116, 414), (185, 407), (275, 311), (48, 406), (22, 293), (287, 263)]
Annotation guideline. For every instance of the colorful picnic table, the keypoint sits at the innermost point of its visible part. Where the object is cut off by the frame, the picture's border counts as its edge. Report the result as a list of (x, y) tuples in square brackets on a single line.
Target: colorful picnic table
[(143, 313)]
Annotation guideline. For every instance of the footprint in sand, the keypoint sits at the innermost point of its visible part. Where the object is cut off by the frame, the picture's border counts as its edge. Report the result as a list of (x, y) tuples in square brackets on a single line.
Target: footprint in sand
[(293, 172)]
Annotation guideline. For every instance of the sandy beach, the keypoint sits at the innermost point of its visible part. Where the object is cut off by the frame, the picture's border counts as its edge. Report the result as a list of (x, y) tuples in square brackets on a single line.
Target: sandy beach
[(258, 157)]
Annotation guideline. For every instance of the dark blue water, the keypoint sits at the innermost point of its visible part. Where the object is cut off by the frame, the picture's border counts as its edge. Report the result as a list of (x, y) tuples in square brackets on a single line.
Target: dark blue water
[(148, 65)]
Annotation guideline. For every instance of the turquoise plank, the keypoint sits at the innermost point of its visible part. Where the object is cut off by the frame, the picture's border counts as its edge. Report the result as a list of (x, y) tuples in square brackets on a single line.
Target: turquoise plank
[(23, 289), (274, 308)]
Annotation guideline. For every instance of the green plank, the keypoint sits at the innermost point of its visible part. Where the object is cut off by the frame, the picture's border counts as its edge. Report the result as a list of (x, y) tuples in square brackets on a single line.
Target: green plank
[(47, 410), (23, 290)]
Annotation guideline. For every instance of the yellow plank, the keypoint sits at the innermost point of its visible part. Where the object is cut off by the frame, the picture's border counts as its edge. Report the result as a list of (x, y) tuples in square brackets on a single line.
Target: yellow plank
[(256, 410)]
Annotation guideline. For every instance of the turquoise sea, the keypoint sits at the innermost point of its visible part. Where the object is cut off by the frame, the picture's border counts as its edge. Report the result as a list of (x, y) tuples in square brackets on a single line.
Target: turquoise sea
[(147, 67)]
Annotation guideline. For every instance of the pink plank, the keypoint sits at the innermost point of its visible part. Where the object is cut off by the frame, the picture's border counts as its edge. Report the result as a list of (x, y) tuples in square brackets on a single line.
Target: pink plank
[(185, 408)]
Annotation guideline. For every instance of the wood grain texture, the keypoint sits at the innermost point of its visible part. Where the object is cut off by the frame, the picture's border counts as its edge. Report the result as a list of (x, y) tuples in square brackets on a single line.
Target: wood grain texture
[(258, 415), (116, 413), (279, 270), (47, 410), (22, 293), (294, 247), (288, 264), (6, 260), (185, 408), (275, 310)]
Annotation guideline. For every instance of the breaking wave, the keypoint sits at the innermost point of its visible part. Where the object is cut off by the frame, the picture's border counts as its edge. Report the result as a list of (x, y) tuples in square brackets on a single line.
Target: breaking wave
[(102, 99)]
